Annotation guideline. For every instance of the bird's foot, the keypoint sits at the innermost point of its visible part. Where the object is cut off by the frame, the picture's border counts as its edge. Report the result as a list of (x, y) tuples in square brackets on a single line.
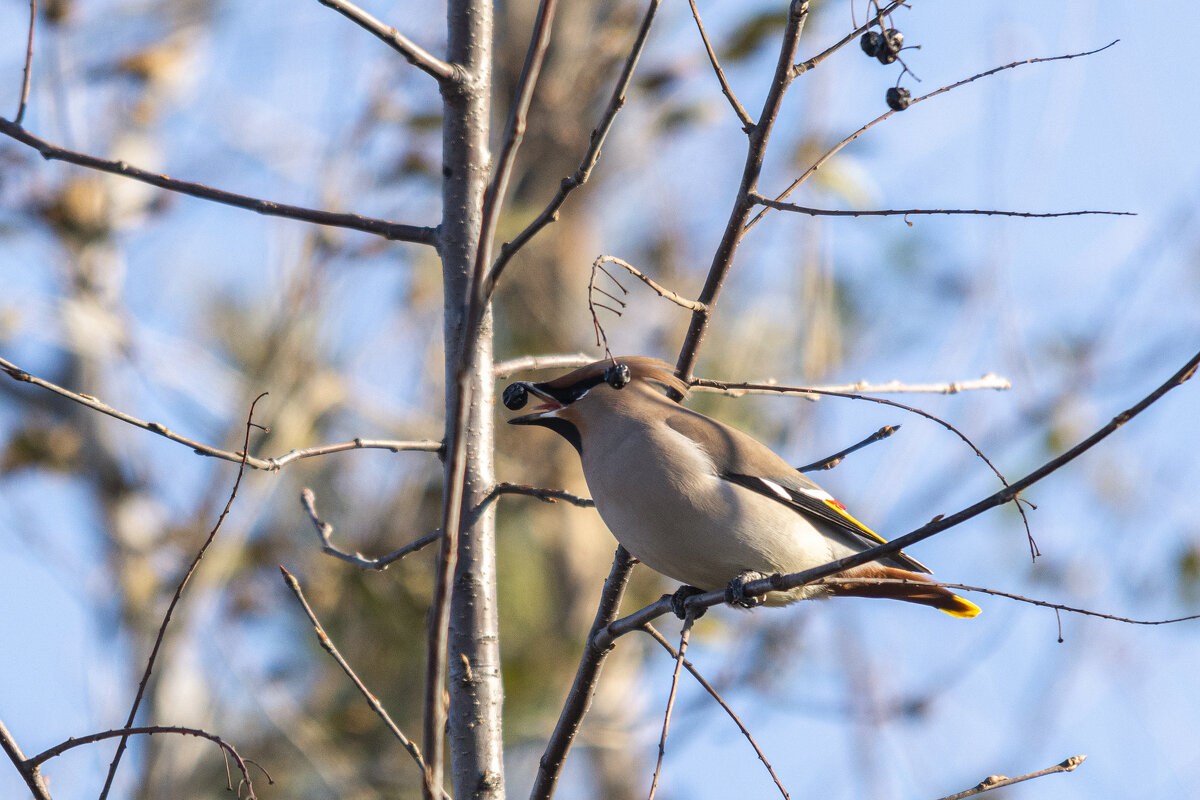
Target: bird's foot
[(680, 597), (735, 592)]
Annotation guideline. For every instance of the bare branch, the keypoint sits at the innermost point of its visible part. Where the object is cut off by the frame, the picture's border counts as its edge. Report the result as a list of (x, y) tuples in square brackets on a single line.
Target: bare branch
[(151, 730), (735, 227), (388, 230), (27, 76), (503, 369), (584, 687), (325, 531), (393, 445), (545, 495), (412, 52), (906, 212), (651, 631), (162, 628), (199, 448), (684, 636), (372, 701), (1019, 598), (636, 620), (514, 134), (832, 461), (820, 162), (737, 389), (29, 771), (742, 115), (590, 157), (659, 289), (883, 12), (997, 781)]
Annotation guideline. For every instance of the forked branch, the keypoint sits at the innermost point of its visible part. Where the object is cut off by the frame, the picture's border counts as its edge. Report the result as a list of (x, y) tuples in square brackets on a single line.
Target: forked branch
[(412, 52)]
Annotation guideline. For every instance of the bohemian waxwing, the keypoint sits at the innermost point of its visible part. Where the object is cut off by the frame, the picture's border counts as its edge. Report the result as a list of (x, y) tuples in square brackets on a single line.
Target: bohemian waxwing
[(704, 503)]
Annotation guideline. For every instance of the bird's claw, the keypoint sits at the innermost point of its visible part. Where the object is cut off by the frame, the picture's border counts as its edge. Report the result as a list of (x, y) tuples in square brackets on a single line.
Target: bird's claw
[(735, 592), (679, 598)]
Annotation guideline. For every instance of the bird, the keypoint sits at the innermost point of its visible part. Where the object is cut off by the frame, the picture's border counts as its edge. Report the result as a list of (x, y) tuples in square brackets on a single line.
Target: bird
[(702, 502)]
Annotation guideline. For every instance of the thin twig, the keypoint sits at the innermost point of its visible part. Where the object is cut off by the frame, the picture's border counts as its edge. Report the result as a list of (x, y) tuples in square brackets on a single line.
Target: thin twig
[(989, 381), (742, 115), (328, 646), (325, 531), (393, 445), (151, 730), (187, 575), (27, 76), (997, 781), (545, 495), (593, 289), (199, 448), (389, 230), (651, 631), (579, 699), (940, 523), (820, 162), (659, 289), (906, 212), (590, 158), (684, 636), (29, 772), (1033, 601), (881, 13), (412, 52), (502, 369), (514, 135), (832, 461)]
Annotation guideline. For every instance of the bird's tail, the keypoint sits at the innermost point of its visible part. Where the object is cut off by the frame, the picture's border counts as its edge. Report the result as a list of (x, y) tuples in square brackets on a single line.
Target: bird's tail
[(915, 588)]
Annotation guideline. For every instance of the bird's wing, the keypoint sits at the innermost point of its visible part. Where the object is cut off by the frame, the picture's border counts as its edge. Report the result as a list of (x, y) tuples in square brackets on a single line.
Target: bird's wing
[(747, 462)]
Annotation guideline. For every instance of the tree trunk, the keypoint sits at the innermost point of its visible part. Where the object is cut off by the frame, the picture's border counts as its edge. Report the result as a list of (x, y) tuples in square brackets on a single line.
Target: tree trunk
[(476, 693)]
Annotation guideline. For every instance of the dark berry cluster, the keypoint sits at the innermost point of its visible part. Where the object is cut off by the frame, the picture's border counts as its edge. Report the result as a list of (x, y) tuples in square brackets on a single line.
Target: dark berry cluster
[(885, 47)]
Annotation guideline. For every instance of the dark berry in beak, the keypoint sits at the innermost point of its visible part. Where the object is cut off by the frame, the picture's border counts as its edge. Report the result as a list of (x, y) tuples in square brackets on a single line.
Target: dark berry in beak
[(515, 396)]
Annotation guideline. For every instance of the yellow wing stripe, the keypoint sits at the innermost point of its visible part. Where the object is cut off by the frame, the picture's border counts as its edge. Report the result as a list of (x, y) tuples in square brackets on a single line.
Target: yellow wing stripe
[(841, 511)]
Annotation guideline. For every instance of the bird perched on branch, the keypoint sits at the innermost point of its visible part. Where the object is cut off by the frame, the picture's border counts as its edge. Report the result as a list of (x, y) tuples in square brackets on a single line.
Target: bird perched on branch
[(704, 503)]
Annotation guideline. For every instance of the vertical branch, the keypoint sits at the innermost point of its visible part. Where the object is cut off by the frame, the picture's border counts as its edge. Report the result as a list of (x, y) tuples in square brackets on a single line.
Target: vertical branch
[(27, 77), (550, 767), (684, 636), (466, 619), (743, 204), (514, 134), (464, 597)]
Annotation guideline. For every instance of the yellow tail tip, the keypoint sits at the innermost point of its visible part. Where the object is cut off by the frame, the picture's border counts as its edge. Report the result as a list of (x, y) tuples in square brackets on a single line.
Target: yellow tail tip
[(961, 608)]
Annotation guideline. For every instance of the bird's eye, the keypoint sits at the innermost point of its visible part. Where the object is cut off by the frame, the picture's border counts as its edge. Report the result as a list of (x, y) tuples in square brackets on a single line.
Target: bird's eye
[(617, 376), (515, 396)]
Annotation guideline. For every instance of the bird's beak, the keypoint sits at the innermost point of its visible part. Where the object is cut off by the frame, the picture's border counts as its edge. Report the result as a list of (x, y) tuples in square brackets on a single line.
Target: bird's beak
[(516, 395)]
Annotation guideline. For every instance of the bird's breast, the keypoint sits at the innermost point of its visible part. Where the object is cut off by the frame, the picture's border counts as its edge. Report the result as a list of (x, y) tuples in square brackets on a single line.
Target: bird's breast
[(662, 497)]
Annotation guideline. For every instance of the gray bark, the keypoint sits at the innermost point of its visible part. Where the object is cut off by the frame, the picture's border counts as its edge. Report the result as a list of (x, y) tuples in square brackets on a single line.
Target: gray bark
[(474, 686)]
